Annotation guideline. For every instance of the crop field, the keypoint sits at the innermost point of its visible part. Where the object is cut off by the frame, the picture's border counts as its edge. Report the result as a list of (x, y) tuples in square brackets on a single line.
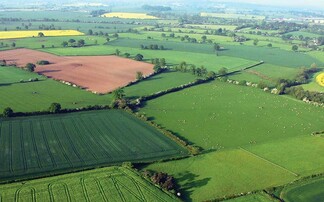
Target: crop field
[(129, 15), (95, 73), (262, 116), (232, 15), (309, 190), (320, 79), (33, 146), (34, 33), (113, 183)]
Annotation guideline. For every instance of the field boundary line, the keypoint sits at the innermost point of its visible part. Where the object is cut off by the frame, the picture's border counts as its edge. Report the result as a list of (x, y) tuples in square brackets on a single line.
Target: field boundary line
[(269, 162)]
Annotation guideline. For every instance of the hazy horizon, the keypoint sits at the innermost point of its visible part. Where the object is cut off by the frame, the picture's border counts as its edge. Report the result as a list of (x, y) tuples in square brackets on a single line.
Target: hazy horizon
[(316, 4)]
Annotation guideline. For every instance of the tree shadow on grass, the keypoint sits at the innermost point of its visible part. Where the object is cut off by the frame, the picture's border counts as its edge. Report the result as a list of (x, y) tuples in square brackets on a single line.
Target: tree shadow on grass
[(189, 183)]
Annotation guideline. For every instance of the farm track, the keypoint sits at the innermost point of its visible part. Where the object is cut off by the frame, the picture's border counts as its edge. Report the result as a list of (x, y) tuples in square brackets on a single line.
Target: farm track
[(47, 145), (83, 140), (22, 146), (71, 142), (35, 145), (60, 145)]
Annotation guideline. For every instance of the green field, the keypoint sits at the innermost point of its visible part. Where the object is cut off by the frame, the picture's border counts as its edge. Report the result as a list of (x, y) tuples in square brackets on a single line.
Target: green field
[(231, 172), (157, 83), (273, 56), (43, 145), (113, 183), (308, 190), (218, 174), (37, 96), (201, 114), (268, 73), (233, 15)]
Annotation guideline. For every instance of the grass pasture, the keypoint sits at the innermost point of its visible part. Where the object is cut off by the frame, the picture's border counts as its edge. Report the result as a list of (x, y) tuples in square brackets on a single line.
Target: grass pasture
[(308, 190), (143, 16), (201, 113), (273, 56), (217, 174), (42, 145), (34, 33), (117, 183), (37, 96), (290, 159)]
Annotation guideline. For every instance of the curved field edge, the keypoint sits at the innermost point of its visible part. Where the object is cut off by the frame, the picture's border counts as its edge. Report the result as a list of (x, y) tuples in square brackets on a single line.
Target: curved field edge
[(116, 183), (310, 190), (46, 145)]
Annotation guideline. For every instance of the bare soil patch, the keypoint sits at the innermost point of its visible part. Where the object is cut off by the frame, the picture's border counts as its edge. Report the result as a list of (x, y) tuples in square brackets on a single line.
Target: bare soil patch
[(100, 74)]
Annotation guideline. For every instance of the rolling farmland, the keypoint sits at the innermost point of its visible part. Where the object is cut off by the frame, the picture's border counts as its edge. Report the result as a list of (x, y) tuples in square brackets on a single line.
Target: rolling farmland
[(40, 145), (114, 183)]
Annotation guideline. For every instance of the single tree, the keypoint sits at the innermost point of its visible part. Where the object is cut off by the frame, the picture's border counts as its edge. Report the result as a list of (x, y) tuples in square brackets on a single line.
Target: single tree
[(294, 48), (8, 112), (55, 108), (127, 55), (139, 57), (255, 42), (65, 43), (13, 44), (222, 71), (204, 38), (41, 34), (162, 62), (43, 46), (118, 94), (139, 76), (71, 41), (30, 67), (157, 68), (107, 39), (90, 32), (117, 52), (81, 42), (269, 45)]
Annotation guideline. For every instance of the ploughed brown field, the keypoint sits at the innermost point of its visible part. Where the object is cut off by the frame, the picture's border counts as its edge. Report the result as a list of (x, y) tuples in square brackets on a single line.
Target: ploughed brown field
[(101, 74)]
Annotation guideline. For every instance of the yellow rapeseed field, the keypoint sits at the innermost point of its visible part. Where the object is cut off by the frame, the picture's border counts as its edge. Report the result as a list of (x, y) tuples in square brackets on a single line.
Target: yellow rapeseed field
[(129, 15), (320, 79), (34, 33)]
